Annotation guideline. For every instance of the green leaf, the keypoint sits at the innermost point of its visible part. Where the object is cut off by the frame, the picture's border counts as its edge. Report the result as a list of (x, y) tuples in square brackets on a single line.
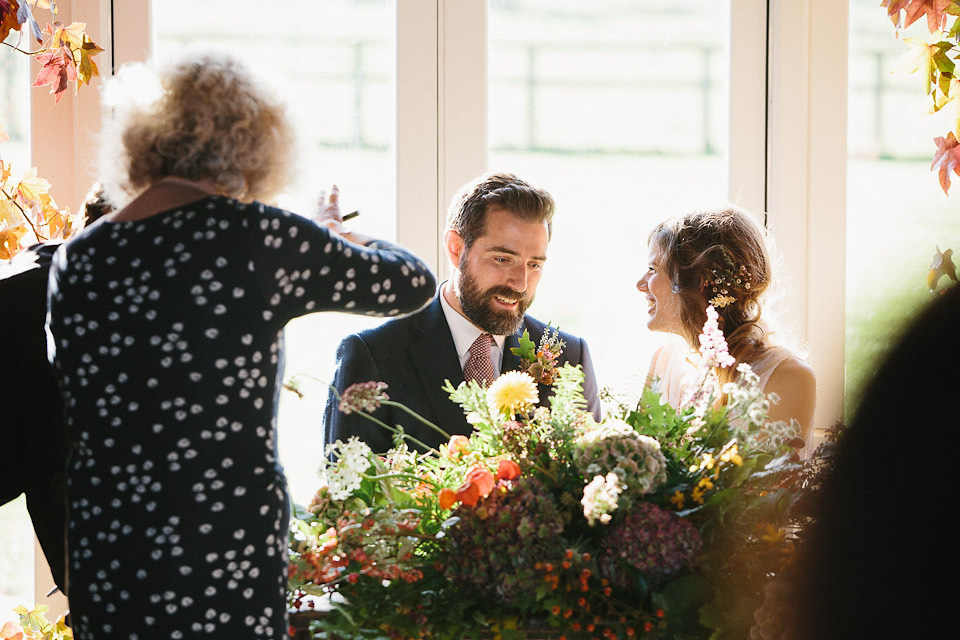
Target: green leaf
[(527, 349)]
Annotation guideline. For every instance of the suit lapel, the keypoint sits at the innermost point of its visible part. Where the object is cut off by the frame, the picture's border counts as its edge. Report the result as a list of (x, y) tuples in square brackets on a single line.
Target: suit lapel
[(434, 356)]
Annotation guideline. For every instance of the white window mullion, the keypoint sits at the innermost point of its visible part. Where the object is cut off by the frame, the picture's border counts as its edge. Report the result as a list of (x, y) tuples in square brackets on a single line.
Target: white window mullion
[(418, 202), (462, 112), (747, 168), (806, 181)]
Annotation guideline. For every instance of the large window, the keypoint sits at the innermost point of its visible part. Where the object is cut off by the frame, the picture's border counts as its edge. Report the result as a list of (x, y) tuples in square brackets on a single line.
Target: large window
[(621, 113)]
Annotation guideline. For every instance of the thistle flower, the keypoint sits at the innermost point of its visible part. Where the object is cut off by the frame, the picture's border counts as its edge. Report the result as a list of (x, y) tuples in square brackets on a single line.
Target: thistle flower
[(513, 392), (363, 396)]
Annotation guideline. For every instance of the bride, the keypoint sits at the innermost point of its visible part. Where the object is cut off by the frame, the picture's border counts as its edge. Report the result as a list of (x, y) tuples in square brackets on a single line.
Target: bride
[(719, 258)]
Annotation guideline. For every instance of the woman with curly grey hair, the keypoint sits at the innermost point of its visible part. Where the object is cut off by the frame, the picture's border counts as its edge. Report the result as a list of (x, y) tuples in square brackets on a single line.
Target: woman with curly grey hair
[(719, 258), (166, 321)]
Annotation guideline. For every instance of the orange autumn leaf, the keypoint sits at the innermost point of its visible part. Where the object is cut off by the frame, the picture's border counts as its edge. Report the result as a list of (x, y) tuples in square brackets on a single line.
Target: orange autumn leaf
[(8, 18), (11, 631), (10, 242)]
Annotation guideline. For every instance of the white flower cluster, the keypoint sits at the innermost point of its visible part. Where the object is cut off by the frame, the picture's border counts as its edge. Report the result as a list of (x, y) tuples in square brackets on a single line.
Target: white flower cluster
[(748, 405), (613, 446), (345, 475), (773, 436), (600, 498)]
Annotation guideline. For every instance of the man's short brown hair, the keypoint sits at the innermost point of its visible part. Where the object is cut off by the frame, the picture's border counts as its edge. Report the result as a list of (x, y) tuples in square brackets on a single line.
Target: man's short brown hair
[(467, 214)]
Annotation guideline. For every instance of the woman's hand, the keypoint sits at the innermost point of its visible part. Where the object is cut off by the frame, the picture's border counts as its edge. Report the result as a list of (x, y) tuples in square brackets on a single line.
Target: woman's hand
[(327, 214)]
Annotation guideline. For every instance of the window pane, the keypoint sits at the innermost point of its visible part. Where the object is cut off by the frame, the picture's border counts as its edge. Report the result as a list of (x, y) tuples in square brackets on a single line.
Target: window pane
[(896, 212), (620, 111), (334, 63), (16, 552)]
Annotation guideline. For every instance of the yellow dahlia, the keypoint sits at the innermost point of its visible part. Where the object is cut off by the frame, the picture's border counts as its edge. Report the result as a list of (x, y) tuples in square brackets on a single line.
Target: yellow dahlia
[(513, 392)]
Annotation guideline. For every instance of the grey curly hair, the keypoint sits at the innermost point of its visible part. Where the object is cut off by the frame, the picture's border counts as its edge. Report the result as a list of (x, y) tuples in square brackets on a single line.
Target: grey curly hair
[(212, 121)]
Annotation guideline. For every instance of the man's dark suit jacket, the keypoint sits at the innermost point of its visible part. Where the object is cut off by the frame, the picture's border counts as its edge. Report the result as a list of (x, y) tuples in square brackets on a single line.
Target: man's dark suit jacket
[(34, 450), (414, 355)]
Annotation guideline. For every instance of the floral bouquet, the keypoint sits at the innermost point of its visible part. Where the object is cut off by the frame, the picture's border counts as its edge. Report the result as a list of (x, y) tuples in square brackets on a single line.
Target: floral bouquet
[(544, 523)]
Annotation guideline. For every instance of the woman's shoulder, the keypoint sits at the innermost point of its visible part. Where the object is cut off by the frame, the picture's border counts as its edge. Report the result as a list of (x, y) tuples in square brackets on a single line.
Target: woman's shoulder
[(792, 370)]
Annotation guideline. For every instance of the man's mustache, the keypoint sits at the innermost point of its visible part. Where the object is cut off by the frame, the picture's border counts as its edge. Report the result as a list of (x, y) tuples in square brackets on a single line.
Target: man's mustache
[(506, 292)]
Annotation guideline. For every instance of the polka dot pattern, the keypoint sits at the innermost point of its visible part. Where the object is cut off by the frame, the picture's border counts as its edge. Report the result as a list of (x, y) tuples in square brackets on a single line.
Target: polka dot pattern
[(166, 334)]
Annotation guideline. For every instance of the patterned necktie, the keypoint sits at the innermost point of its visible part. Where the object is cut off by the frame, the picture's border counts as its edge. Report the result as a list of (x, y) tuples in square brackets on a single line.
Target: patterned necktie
[(480, 367)]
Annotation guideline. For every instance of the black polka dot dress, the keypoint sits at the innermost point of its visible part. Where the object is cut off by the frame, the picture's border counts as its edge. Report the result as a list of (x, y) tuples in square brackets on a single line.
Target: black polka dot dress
[(166, 334)]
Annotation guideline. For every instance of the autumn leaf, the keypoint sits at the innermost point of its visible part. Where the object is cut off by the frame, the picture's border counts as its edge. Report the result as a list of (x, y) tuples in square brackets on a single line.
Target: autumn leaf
[(25, 17), (10, 242), (57, 71), (31, 187), (82, 49), (83, 58), (8, 18), (10, 215), (946, 159), (904, 13), (942, 265)]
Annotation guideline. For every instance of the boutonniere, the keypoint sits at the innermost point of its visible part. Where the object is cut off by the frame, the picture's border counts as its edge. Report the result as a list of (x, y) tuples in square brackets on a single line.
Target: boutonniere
[(540, 361)]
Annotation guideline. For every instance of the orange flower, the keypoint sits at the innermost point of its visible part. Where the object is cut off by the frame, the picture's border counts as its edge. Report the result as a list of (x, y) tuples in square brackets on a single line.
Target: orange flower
[(447, 498), (478, 484), (458, 446), (508, 470)]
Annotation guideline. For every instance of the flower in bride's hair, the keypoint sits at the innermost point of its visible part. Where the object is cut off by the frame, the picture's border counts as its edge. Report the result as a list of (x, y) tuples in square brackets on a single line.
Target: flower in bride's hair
[(363, 396), (713, 346), (513, 392)]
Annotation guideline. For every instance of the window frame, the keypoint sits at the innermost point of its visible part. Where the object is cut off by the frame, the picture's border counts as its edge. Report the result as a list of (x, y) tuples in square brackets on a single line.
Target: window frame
[(787, 92)]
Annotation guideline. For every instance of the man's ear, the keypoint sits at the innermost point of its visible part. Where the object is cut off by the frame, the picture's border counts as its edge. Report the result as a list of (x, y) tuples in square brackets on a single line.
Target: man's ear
[(455, 247)]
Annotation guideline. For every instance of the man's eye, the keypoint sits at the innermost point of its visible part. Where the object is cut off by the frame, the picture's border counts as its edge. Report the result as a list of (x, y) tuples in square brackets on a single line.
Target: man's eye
[(536, 266)]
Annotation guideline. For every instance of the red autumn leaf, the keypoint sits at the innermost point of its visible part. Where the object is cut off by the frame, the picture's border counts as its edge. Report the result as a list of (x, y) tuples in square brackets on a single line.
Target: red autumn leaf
[(508, 470), (913, 10), (947, 159), (57, 71), (8, 18)]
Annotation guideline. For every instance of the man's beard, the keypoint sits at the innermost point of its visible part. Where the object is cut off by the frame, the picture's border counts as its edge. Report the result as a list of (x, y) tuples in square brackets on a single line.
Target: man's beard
[(478, 306)]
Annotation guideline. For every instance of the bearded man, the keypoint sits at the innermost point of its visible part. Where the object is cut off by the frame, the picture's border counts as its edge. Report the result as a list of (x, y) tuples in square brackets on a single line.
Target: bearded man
[(498, 229)]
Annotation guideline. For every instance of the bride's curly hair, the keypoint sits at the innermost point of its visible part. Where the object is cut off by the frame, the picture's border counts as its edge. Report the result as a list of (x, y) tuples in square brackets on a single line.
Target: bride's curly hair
[(211, 120), (701, 248)]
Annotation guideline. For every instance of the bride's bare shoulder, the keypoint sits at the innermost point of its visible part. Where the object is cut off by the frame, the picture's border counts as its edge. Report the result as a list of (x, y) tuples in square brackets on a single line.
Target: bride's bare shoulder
[(796, 383)]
